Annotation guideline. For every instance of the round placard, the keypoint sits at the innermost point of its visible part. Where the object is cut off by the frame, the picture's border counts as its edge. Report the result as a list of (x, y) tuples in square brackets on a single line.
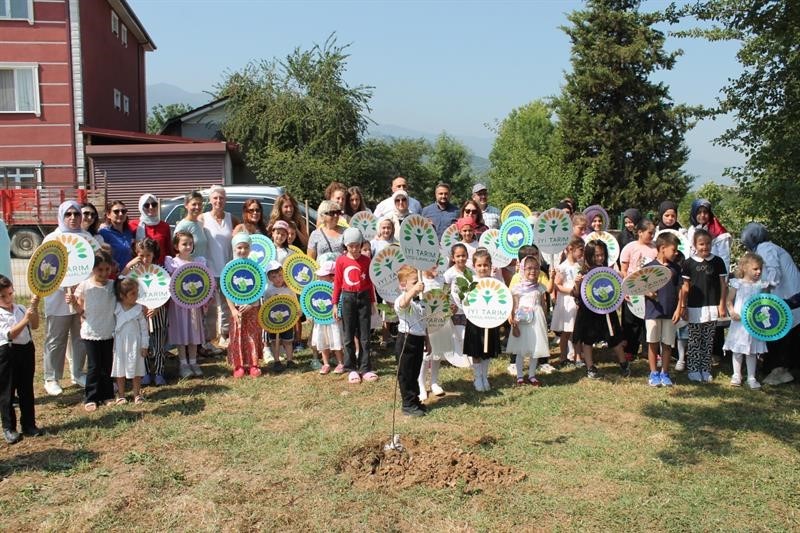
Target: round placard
[(298, 271), (242, 281), (153, 285), (553, 231), (489, 304), (316, 302), (515, 233), (449, 238), (490, 239), (594, 210), (683, 241), (611, 244), (515, 210), (601, 290), (636, 306), (192, 285), (278, 313), (47, 268), (80, 257), (383, 272), (766, 317), (646, 279), (366, 222), (295, 249), (262, 250), (418, 242)]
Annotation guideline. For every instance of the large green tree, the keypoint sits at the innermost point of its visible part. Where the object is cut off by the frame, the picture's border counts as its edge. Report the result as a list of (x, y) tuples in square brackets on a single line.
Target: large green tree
[(527, 164), (621, 131), (450, 162), (765, 101)]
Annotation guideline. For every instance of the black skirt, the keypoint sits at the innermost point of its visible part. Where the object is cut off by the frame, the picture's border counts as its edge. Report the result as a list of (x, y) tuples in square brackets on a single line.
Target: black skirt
[(473, 341), (591, 327)]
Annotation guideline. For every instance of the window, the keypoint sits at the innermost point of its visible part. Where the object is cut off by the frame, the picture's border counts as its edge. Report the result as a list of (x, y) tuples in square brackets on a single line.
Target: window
[(124, 35), (21, 175), (114, 23), (126, 105), (19, 88), (16, 9), (117, 99)]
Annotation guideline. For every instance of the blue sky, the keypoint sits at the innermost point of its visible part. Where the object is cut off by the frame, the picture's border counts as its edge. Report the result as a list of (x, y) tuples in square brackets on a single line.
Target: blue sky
[(445, 65)]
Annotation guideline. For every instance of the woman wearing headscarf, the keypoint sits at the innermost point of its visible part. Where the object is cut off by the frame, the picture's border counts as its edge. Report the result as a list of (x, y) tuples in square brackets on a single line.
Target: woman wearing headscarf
[(62, 321), (630, 219), (781, 270), (151, 226), (399, 212), (702, 217), (668, 216)]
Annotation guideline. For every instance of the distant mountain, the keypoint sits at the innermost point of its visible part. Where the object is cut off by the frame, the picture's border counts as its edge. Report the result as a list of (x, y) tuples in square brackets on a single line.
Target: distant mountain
[(164, 94)]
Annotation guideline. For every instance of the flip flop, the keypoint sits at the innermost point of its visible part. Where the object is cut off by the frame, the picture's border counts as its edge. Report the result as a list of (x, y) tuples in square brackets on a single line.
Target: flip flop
[(370, 376), (120, 401), (354, 378), (138, 399), (90, 407)]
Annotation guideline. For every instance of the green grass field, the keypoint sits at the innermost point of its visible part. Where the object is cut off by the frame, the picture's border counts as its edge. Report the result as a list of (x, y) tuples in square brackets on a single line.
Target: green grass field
[(298, 451)]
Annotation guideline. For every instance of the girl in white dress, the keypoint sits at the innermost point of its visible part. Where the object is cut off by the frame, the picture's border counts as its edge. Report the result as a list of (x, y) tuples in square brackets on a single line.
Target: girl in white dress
[(131, 339), (746, 283), (565, 309), (327, 338), (528, 323)]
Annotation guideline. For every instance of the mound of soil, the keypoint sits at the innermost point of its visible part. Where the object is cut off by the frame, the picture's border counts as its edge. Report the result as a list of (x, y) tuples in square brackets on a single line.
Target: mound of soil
[(432, 464)]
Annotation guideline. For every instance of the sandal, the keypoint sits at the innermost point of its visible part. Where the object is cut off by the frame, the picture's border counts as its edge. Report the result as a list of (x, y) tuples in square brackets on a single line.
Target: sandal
[(90, 407), (535, 382), (120, 400), (354, 378), (339, 369), (138, 399), (325, 369), (520, 381), (370, 376)]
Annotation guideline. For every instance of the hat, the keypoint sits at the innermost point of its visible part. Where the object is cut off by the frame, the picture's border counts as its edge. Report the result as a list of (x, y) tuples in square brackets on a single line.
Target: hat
[(239, 238), (478, 187), (328, 205), (272, 266), (326, 268), (352, 236), (465, 221), (280, 224)]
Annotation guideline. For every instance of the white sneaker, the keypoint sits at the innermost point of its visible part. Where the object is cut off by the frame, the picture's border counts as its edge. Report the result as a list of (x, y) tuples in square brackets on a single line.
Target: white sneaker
[(196, 370), (423, 394), (546, 368), (185, 371), (736, 381), (695, 376), (437, 390), (680, 366), (266, 354), (511, 369), (753, 384), (223, 342), (785, 377), (53, 388)]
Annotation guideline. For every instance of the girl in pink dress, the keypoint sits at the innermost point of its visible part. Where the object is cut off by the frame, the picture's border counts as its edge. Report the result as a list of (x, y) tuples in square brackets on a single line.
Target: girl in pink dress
[(245, 340)]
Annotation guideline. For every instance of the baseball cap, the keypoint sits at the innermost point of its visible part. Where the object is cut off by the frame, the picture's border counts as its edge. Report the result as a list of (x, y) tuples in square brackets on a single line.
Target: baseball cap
[(478, 187)]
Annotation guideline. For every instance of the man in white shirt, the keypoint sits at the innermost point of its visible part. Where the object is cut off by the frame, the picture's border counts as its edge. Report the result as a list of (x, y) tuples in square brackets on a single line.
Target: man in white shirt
[(387, 206), (491, 215)]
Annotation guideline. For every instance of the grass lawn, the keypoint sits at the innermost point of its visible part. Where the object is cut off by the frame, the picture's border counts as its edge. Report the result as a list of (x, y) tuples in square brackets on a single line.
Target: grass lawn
[(302, 451)]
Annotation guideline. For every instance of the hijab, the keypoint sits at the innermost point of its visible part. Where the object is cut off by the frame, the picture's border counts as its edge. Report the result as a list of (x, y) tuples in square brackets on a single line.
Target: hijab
[(665, 206), (62, 209), (626, 236), (145, 220), (754, 234), (713, 227)]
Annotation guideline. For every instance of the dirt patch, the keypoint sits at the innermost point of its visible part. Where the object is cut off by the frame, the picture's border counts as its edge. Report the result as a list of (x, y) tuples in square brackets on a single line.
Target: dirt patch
[(436, 465)]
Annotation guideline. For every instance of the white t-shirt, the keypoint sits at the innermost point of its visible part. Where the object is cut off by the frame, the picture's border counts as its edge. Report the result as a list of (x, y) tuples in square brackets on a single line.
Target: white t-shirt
[(8, 319), (99, 303), (387, 206)]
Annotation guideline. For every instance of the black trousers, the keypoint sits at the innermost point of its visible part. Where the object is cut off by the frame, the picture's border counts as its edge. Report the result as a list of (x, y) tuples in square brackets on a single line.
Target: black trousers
[(783, 352), (356, 314), (409, 362), (17, 365), (99, 359), (632, 330)]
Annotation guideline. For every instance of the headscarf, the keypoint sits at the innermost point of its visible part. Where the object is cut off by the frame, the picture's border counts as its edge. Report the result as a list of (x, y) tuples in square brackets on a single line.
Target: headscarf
[(62, 209), (754, 234), (395, 196), (145, 220), (665, 206), (524, 286), (626, 236), (714, 228)]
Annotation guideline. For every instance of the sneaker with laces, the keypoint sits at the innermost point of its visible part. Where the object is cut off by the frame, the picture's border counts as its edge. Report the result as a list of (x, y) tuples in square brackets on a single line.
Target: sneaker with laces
[(736, 381), (680, 366), (592, 372), (665, 379), (436, 390), (546, 368), (753, 384), (655, 379), (52, 388)]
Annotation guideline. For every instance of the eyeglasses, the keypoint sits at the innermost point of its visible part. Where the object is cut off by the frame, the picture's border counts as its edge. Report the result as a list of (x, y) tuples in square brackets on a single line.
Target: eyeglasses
[(71, 214), (120, 211), (148, 205), (254, 210), (470, 211), (89, 214)]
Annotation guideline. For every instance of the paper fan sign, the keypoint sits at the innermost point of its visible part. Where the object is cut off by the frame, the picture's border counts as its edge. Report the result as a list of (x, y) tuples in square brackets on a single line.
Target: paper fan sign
[(316, 302), (489, 304), (490, 239), (766, 317), (437, 308), (611, 244), (601, 290), (442, 264), (242, 281), (153, 285), (450, 237), (515, 210), (418, 242), (366, 222), (47, 268), (298, 271), (383, 272), (515, 233), (80, 260), (636, 306), (594, 210), (278, 313), (262, 250), (192, 285), (646, 279), (553, 231), (683, 241)]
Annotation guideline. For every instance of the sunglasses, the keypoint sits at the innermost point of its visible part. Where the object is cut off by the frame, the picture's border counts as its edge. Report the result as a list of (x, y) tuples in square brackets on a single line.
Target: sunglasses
[(254, 210), (333, 213), (120, 211), (470, 211), (401, 200), (71, 214), (148, 205), (89, 214)]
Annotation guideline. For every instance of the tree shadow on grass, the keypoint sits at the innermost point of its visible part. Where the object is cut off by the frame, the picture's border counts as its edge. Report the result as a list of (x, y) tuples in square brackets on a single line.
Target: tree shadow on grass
[(712, 428), (52, 461)]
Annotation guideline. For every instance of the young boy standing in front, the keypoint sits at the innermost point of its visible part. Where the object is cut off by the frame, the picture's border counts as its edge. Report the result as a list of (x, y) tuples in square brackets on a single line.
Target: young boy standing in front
[(662, 312), (410, 339)]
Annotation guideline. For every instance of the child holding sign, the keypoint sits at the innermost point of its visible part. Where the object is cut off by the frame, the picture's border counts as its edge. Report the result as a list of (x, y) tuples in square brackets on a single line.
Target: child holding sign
[(528, 325), (474, 345), (245, 339), (327, 338), (411, 340)]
